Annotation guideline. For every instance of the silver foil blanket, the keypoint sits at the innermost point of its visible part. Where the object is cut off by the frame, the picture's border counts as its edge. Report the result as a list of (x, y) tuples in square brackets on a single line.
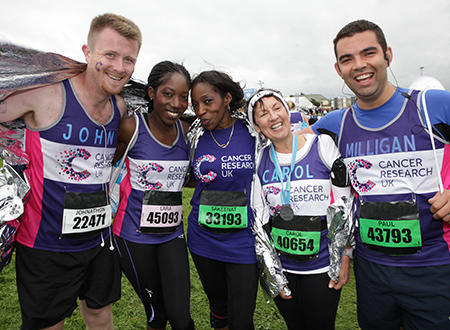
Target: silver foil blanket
[(340, 222), (12, 190), (22, 68), (271, 274)]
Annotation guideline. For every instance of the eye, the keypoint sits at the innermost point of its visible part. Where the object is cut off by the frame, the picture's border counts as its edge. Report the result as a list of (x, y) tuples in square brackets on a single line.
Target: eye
[(208, 101), (167, 94), (195, 106), (130, 60), (184, 97), (109, 55)]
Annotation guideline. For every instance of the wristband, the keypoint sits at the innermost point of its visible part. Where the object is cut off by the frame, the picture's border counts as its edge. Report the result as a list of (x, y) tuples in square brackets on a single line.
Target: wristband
[(348, 252)]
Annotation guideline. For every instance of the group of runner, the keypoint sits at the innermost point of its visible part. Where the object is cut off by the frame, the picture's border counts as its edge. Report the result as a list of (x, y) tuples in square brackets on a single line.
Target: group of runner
[(260, 200)]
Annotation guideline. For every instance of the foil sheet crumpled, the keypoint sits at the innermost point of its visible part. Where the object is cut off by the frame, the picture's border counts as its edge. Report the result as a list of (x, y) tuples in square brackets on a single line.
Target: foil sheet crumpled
[(12, 190), (340, 222), (272, 278), (22, 68)]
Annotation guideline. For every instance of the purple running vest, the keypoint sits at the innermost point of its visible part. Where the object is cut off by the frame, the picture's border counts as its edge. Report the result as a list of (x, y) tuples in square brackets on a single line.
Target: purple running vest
[(69, 156), (309, 195), (150, 166), (225, 169), (395, 163)]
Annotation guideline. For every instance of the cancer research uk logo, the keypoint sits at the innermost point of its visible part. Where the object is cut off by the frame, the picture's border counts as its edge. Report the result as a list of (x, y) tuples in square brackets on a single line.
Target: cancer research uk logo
[(272, 190), (353, 167), (208, 177), (65, 160), (144, 170)]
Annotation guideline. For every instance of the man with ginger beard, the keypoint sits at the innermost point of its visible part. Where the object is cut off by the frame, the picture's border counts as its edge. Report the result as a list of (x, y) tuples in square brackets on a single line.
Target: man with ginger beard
[(71, 137)]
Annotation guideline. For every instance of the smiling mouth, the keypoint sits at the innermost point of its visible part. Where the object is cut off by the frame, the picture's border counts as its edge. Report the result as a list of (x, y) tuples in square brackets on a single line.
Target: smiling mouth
[(114, 77), (173, 114), (363, 77), (276, 126)]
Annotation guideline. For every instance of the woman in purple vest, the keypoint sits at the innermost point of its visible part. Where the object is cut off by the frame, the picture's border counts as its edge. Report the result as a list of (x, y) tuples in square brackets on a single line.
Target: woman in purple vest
[(219, 232), (292, 191), (148, 225)]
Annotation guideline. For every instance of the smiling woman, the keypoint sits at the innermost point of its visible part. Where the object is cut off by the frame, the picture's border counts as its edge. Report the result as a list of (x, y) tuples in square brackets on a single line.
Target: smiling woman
[(291, 193), (148, 225)]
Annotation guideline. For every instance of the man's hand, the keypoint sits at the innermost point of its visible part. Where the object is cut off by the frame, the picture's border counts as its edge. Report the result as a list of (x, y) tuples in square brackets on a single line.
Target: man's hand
[(440, 205)]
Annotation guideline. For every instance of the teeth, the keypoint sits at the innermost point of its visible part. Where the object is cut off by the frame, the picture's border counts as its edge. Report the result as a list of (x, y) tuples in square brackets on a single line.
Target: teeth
[(173, 114), (364, 76), (276, 126), (114, 77)]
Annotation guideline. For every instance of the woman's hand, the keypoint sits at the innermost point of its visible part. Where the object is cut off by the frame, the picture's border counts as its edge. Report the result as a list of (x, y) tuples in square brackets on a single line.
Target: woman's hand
[(286, 293), (344, 274)]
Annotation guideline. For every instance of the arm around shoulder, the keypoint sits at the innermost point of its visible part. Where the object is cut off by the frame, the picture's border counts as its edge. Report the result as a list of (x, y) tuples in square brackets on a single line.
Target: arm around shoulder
[(126, 131), (122, 105)]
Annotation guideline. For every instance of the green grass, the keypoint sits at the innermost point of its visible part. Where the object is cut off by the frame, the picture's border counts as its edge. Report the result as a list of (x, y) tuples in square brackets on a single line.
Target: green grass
[(129, 312)]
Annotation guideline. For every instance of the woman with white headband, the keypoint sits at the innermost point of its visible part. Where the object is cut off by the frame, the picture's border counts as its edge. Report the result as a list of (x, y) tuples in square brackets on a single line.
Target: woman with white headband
[(292, 190)]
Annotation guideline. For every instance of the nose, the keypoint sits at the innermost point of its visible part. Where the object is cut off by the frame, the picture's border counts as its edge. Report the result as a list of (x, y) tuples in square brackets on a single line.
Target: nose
[(272, 114), (199, 110), (359, 62), (175, 102), (119, 65)]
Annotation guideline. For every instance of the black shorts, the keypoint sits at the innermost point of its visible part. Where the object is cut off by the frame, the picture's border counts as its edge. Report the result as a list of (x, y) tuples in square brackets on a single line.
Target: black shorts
[(49, 283)]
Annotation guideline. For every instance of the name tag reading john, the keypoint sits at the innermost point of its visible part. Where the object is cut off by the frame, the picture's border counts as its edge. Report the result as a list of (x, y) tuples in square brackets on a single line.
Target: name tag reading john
[(85, 212)]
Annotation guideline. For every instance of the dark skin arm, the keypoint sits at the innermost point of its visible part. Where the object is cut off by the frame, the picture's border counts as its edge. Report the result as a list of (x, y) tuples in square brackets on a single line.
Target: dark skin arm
[(126, 130), (186, 124)]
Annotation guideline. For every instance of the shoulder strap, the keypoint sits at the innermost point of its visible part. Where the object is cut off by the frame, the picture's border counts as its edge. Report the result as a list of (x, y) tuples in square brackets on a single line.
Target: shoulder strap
[(117, 169)]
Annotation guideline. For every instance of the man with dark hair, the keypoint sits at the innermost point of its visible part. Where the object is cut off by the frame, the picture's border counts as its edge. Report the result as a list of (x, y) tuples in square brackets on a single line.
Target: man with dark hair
[(71, 137), (402, 261)]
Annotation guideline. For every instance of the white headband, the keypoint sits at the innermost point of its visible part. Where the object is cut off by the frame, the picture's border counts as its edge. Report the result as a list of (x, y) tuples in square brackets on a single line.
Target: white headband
[(259, 95)]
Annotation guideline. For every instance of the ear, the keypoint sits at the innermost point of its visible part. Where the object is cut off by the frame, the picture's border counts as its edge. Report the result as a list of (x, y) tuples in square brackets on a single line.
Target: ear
[(86, 51), (227, 99), (151, 93), (338, 69), (389, 55)]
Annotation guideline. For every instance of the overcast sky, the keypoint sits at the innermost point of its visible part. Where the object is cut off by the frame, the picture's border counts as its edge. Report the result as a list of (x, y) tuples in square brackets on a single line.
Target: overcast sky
[(287, 45)]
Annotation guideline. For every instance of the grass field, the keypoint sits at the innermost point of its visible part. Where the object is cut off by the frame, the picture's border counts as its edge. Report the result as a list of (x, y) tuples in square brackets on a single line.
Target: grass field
[(129, 313)]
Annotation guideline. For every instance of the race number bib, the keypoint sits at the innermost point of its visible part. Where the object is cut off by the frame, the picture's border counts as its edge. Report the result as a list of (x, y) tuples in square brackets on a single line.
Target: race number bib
[(85, 213), (162, 211), (296, 242), (299, 238), (392, 228), (223, 210)]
